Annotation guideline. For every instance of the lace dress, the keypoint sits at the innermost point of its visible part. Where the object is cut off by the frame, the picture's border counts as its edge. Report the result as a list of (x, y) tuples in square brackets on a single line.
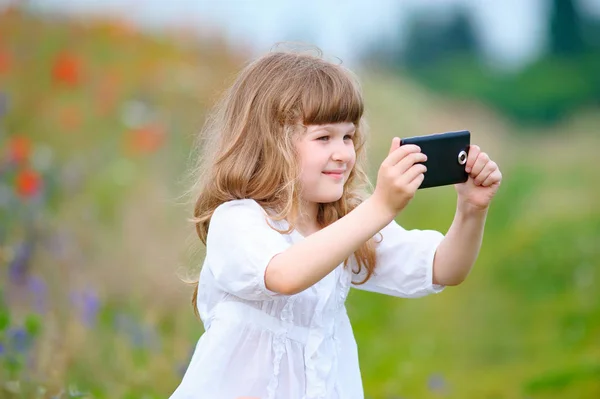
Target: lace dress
[(267, 345)]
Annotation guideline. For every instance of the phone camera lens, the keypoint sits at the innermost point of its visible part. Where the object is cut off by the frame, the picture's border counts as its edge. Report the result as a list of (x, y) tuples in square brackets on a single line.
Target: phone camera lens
[(462, 157)]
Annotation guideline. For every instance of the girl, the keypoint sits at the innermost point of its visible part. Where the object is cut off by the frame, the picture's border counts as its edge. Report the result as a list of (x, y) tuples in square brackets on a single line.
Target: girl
[(283, 209)]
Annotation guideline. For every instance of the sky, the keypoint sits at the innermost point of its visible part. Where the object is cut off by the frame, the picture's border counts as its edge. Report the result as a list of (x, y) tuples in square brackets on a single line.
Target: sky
[(512, 31)]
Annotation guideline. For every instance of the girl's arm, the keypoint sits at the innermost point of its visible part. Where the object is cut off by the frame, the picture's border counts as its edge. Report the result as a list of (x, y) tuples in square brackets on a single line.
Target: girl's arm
[(308, 261), (456, 254), (458, 251)]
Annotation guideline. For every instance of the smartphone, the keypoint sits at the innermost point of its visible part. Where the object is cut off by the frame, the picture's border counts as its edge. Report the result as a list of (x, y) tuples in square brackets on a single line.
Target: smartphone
[(446, 157)]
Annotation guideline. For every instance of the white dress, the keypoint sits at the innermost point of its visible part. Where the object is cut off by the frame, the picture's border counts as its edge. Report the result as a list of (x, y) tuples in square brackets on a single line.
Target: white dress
[(262, 344)]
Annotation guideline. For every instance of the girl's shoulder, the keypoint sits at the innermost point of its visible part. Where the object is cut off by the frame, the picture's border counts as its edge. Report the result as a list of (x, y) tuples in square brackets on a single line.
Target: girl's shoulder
[(241, 212), (239, 207)]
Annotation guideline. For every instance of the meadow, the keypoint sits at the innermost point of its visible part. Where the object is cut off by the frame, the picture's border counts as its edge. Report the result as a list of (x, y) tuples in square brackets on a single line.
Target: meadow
[(96, 126)]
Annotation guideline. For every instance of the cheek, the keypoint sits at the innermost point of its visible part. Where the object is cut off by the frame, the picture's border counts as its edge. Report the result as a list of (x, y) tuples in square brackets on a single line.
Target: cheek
[(308, 161), (352, 160), (312, 157), (350, 165)]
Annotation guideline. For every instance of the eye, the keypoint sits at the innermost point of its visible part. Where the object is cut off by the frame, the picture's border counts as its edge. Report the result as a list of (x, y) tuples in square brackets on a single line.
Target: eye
[(349, 136), (323, 138)]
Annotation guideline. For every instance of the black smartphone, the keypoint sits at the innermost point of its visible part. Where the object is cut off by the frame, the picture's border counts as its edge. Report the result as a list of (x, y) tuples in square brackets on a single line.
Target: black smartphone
[(446, 157)]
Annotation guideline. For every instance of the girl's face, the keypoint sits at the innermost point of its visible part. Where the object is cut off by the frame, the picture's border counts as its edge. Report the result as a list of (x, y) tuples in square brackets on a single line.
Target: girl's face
[(327, 157)]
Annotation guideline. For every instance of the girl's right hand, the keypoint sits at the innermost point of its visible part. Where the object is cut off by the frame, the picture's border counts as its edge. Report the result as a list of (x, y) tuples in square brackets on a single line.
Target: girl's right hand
[(399, 176)]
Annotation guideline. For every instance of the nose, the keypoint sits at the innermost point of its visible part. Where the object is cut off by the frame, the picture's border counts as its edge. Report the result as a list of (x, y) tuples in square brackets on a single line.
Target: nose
[(342, 152)]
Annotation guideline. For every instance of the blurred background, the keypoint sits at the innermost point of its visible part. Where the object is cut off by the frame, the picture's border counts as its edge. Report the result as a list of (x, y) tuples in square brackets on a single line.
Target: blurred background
[(99, 104)]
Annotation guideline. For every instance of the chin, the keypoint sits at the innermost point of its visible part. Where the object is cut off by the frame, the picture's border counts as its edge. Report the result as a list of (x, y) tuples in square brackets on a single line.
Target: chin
[(325, 199)]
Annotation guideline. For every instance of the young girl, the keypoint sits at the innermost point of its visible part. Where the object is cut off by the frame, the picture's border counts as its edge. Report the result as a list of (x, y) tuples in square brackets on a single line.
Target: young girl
[(283, 209)]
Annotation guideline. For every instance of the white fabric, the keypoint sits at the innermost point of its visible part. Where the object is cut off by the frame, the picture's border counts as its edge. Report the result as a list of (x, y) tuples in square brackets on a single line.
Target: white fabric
[(262, 344)]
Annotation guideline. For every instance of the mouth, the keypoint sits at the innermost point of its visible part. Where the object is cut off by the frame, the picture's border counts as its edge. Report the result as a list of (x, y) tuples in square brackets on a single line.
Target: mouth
[(335, 175)]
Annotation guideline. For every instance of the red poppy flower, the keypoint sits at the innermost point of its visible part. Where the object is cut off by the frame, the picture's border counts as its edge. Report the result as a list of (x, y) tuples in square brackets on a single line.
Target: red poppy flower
[(67, 69), (146, 139), (28, 183)]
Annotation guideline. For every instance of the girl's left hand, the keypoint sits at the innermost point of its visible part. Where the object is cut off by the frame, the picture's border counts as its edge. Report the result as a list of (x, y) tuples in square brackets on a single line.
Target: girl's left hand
[(484, 179)]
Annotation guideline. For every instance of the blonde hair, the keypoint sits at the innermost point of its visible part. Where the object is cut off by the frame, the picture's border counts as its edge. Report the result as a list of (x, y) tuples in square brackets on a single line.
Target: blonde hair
[(246, 147)]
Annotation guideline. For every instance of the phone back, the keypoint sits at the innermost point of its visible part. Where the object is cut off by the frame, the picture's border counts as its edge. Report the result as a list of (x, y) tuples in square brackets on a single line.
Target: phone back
[(446, 157)]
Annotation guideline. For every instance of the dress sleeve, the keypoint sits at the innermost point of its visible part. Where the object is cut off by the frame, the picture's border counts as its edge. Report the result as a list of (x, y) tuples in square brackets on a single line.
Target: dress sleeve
[(404, 263), (239, 246)]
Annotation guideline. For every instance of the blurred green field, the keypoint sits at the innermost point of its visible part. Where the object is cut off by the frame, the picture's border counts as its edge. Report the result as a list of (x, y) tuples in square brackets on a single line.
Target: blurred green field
[(96, 123)]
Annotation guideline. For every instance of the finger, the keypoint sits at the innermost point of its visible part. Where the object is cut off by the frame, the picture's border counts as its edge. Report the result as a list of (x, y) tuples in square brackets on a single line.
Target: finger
[(395, 144), (474, 151), (399, 153), (485, 172), (416, 183), (413, 172), (480, 162), (494, 178), (408, 161)]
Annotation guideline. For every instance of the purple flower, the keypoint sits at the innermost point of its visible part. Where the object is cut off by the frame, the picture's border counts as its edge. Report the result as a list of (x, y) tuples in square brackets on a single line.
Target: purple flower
[(91, 305), (19, 265), (144, 336), (88, 304), (2, 350), (19, 340), (437, 383), (38, 288), (182, 367), (140, 336)]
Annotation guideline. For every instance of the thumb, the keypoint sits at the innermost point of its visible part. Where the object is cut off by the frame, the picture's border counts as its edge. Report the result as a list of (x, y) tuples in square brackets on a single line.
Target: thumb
[(395, 144)]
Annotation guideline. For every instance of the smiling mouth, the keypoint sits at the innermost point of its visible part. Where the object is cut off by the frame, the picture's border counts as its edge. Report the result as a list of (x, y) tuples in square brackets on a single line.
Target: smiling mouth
[(336, 175)]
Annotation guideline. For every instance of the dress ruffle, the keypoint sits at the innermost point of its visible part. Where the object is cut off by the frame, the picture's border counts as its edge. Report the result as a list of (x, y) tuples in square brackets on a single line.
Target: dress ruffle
[(287, 315), (323, 346)]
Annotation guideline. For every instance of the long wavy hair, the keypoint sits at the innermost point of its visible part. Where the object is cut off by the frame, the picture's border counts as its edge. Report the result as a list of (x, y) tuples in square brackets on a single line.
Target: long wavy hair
[(246, 147)]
